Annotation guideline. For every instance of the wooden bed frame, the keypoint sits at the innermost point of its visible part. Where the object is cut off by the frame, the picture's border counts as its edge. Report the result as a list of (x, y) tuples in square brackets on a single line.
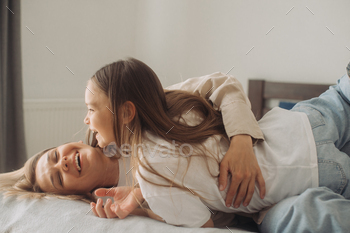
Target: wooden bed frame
[(260, 90)]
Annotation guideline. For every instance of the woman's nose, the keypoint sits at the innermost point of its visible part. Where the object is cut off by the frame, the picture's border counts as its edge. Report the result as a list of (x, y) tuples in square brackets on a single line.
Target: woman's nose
[(86, 120), (64, 163)]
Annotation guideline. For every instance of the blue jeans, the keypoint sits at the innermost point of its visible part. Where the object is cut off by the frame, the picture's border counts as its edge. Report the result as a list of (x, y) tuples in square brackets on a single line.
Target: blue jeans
[(324, 209), (316, 210), (329, 116)]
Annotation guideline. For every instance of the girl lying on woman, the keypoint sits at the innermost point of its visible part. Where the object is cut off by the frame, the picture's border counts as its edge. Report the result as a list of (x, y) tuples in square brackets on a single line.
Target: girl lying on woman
[(224, 93), (176, 143)]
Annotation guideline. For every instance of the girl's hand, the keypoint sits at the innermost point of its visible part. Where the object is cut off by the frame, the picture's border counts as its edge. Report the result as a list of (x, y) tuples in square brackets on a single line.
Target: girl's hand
[(241, 162), (125, 202)]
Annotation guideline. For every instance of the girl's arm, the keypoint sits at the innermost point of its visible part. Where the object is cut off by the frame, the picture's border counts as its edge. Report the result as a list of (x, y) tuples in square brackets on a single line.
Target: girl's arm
[(210, 223), (226, 94)]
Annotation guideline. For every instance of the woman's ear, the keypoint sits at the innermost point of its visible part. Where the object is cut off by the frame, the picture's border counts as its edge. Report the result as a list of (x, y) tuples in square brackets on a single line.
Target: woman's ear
[(128, 112)]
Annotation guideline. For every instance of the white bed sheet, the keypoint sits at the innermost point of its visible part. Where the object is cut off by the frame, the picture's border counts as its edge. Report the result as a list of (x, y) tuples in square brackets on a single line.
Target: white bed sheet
[(57, 215)]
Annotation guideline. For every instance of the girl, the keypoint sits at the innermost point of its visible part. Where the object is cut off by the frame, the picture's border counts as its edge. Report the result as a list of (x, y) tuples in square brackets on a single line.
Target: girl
[(127, 78), (178, 179)]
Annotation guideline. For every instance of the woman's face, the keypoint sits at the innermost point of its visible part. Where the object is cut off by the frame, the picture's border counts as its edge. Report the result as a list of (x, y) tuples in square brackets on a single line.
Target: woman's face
[(75, 168), (99, 116)]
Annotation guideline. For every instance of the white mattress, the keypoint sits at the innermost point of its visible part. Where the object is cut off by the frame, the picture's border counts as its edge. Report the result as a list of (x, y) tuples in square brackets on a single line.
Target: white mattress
[(56, 215)]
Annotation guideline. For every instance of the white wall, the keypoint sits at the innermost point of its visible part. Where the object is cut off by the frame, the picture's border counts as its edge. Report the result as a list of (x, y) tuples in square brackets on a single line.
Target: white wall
[(199, 37), (181, 39)]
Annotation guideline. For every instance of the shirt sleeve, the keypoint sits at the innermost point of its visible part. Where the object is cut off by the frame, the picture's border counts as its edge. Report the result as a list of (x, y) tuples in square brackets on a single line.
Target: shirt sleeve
[(184, 210), (175, 206), (226, 95)]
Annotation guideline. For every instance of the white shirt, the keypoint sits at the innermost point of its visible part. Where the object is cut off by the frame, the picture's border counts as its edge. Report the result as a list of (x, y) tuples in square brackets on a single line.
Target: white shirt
[(287, 159), (226, 94)]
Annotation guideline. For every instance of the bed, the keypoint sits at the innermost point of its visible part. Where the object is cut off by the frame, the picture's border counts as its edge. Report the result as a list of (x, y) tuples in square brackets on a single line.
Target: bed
[(262, 94), (56, 215)]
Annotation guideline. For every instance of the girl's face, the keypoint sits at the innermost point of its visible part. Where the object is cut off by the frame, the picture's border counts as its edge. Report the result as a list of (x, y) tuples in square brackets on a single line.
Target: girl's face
[(99, 117), (75, 168)]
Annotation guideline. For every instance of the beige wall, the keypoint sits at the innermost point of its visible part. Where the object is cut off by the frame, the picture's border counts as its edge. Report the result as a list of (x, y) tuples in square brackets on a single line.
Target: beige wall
[(182, 38), (286, 41)]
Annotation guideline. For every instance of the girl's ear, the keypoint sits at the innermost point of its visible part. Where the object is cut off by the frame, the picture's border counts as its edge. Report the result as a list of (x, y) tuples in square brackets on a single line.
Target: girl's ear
[(128, 112)]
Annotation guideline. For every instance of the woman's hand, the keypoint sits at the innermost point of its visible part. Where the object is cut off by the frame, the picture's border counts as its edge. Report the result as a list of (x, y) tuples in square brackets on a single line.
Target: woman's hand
[(241, 162), (125, 202)]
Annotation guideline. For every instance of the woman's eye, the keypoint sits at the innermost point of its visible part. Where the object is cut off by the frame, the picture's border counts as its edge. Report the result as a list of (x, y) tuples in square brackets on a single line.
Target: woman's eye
[(60, 180), (56, 156), (90, 110)]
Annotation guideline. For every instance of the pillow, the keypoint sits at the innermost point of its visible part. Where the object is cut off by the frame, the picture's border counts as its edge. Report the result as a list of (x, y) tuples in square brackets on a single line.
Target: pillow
[(286, 105)]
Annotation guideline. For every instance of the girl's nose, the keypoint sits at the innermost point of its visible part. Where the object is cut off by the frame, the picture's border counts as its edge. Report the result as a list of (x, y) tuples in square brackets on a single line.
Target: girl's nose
[(87, 120), (64, 163)]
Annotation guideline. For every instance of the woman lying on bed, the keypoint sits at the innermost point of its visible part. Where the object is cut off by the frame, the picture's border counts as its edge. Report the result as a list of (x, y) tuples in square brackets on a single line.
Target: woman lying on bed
[(177, 168)]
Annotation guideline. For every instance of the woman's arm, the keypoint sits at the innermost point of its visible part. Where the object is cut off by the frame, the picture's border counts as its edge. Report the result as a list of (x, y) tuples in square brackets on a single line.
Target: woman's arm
[(227, 95)]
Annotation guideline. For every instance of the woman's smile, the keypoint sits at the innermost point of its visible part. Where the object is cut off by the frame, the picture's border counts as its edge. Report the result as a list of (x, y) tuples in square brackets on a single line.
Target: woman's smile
[(75, 168)]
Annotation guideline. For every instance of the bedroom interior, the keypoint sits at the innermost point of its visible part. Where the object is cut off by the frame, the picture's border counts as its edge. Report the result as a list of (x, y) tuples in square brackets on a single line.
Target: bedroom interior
[(281, 52)]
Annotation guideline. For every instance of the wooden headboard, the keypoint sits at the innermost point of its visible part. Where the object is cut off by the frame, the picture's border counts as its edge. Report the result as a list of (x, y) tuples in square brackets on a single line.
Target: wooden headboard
[(260, 90)]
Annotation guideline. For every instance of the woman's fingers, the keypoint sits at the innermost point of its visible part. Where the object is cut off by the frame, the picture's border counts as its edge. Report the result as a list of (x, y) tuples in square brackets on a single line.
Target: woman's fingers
[(102, 192), (108, 211), (93, 207), (99, 209), (121, 214)]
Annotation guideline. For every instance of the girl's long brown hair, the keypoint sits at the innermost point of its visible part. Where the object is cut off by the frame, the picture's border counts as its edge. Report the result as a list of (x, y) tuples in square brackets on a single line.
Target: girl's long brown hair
[(157, 110)]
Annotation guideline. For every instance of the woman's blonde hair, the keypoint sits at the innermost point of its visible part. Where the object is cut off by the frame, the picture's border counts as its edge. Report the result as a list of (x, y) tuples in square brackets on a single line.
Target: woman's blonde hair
[(22, 183), (157, 110)]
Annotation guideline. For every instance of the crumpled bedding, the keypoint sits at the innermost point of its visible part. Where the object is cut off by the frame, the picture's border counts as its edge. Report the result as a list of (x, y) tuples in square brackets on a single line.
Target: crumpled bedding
[(68, 216)]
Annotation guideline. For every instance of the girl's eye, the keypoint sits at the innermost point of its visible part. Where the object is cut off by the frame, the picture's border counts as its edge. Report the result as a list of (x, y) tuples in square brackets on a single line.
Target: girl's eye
[(90, 110)]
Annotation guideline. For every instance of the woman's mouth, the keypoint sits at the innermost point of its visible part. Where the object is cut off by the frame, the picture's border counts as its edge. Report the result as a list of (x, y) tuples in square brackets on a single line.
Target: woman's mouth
[(78, 162)]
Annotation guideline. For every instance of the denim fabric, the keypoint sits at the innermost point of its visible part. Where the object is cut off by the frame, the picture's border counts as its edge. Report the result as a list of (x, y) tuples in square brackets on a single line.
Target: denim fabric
[(322, 209), (316, 210), (329, 115)]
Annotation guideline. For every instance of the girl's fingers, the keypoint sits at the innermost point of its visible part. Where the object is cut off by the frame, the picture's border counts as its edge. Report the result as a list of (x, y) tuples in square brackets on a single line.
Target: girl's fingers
[(262, 186), (99, 209), (107, 208), (233, 189), (242, 191), (223, 177), (250, 192)]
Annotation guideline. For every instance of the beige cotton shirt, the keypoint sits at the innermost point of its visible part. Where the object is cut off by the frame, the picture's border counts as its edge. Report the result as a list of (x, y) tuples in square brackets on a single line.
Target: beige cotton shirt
[(226, 94)]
